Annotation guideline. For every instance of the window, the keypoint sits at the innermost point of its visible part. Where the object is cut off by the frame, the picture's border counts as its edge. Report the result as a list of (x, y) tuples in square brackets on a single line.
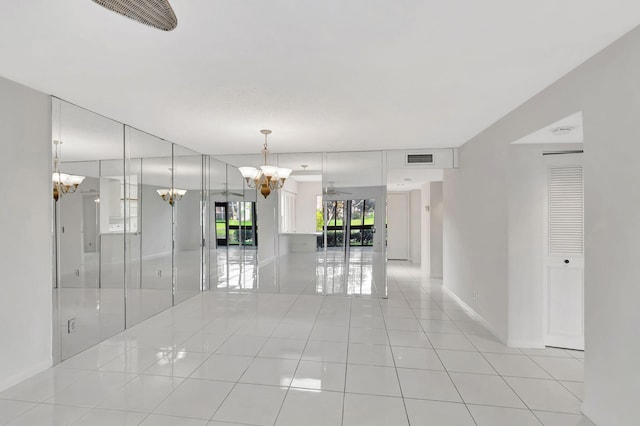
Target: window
[(359, 213)]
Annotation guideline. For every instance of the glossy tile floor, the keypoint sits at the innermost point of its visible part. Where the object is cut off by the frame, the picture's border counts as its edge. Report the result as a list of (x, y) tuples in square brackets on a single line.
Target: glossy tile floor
[(225, 358)]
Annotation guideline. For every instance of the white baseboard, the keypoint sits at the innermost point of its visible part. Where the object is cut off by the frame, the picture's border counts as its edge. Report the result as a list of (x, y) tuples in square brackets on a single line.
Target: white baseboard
[(529, 344), (156, 255), (584, 409), (24, 375), (473, 314), (265, 262)]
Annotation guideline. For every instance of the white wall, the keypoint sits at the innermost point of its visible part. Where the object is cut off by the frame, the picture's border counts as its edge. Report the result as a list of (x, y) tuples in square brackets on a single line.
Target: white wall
[(155, 238), (71, 251), (188, 211), (26, 228), (155, 224), (425, 229), (306, 206), (267, 221), (435, 240), (476, 197), (398, 225), (415, 226), (475, 229)]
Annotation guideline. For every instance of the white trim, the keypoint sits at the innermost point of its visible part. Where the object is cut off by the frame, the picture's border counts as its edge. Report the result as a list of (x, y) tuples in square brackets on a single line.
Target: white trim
[(473, 313), (15, 379), (585, 411), (157, 255), (532, 344), (265, 262)]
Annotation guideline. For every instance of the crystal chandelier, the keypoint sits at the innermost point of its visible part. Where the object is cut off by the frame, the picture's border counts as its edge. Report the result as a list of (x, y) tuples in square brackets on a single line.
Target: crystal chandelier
[(172, 195), (63, 183), (267, 178)]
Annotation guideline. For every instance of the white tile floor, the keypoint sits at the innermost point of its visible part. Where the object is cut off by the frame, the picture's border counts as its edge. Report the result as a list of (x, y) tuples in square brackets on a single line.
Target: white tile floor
[(225, 358)]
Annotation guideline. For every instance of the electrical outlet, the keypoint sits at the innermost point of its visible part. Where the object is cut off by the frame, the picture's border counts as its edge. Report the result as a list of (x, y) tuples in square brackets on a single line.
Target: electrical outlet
[(71, 325), (159, 273), (77, 272)]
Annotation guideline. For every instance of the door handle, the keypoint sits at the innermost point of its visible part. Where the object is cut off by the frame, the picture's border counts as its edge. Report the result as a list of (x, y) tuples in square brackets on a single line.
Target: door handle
[(566, 261)]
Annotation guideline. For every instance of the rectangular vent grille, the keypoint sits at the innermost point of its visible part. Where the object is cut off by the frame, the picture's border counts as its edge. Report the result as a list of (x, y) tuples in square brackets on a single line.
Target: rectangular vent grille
[(566, 206), (419, 158)]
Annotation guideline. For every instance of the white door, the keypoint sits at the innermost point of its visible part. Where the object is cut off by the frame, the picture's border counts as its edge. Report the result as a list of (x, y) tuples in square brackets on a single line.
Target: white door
[(398, 225), (564, 289)]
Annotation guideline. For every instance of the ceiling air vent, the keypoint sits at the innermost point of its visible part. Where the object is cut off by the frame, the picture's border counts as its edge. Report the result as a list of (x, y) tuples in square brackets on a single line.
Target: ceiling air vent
[(419, 159)]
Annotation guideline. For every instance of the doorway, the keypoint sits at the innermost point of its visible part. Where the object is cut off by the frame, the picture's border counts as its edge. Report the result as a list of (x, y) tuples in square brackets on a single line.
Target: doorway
[(545, 237), (564, 252), (398, 225)]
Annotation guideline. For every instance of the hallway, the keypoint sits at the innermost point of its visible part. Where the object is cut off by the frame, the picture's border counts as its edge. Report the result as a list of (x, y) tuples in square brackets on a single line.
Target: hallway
[(232, 358)]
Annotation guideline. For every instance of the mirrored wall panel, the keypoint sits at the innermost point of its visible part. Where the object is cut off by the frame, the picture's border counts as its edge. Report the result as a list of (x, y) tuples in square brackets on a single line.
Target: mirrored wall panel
[(149, 225), (129, 223), (233, 225), (142, 224), (300, 231), (354, 223), (322, 232), (88, 196), (188, 215)]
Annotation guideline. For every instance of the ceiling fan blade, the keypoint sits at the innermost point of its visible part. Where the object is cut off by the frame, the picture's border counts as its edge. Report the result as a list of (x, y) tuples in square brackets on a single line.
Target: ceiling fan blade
[(154, 13)]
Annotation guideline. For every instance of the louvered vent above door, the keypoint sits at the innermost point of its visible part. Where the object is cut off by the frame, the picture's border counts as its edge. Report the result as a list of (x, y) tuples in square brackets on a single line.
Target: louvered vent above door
[(566, 210)]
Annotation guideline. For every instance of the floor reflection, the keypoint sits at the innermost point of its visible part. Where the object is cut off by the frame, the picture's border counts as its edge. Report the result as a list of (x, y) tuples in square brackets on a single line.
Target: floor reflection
[(95, 299), (237, 268), (352, 276), (90, 302), (328, 272)]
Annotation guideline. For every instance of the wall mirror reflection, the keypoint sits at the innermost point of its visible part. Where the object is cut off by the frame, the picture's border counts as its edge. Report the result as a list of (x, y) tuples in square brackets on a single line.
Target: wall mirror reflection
[(188, 219), (88, 228), (142, 224), (129, 216), (233, 224), (149, 235), (300, 252), (354, 223)]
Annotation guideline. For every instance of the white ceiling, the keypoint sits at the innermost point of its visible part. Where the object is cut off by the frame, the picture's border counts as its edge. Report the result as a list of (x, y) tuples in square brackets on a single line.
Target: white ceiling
[(324, 75)]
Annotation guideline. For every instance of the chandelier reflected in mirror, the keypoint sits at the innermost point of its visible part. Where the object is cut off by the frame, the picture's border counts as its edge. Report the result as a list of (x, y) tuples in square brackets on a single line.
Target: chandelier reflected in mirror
[(171, 195), (63, 183), (267, 178)]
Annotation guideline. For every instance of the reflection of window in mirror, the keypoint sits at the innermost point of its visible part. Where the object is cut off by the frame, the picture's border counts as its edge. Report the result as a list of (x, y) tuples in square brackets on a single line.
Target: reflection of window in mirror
[(287, 211), (361, 225), (319, 214)]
